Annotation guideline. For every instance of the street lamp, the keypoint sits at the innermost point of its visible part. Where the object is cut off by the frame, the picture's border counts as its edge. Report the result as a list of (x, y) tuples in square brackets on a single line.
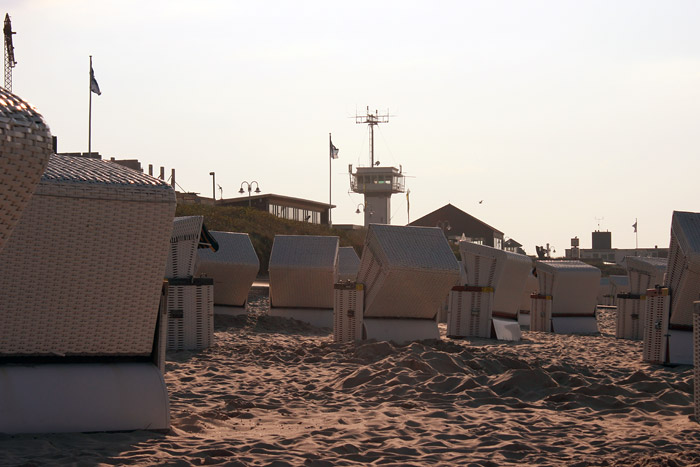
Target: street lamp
[(213, 185), (250, 188)]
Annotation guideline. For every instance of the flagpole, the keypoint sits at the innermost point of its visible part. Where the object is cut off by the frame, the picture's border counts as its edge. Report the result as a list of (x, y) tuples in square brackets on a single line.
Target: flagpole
[(636, 234), (330, 181), (90, 110)]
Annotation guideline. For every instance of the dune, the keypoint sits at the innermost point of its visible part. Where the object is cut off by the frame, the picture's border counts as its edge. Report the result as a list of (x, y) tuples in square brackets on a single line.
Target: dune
[(277, 392)]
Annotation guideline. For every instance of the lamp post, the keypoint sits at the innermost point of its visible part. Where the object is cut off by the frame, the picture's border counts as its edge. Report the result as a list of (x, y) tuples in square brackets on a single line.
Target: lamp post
[(250, 188), (213, 185)]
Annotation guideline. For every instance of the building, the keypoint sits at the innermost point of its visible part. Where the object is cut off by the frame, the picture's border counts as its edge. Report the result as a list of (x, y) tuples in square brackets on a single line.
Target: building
[(457, 224), (603, 251), (513, 246), (286, 207)]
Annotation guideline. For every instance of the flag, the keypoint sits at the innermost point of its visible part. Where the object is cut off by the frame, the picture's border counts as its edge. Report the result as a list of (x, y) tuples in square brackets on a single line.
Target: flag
[(94, 87), (634, 226), (334, 151)]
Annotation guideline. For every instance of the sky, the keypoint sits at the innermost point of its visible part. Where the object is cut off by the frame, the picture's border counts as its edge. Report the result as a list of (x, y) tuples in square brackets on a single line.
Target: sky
[(562, 117)]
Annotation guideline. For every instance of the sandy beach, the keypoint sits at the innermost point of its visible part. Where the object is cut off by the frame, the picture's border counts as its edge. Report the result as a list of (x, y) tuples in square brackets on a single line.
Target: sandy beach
[(272, 391)]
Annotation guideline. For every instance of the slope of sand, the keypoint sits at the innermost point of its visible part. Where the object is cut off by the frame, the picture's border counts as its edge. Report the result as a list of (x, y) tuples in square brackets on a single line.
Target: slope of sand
[(277, 392)]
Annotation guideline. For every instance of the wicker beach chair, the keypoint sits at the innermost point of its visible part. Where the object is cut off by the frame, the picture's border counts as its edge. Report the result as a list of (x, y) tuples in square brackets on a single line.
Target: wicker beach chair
[(407, 272), (673, 326), (490, 271), (348, 264), (190, 299), (303, 270), (25, 147), (81, 280), (532, 287), (643, 274), (233, 268), (572, 288)]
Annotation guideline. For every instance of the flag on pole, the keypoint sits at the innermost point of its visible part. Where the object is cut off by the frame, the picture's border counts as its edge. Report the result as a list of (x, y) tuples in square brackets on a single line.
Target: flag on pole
[(634, 226), (334, 151), (94, 87)]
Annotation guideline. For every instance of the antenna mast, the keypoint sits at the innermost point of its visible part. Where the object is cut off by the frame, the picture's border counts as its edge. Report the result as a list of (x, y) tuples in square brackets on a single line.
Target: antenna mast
[(9, 52), (372, 119)]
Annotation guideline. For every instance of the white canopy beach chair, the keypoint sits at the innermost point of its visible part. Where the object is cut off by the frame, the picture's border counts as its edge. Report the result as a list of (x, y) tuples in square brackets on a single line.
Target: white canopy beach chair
[(233, 268), (25, 147), (669, 326), (81, 280), (407, 272), (572, 288), (532, 287), (303, 269), (190, 299), (643, 274), (348, 264), (499, 273)]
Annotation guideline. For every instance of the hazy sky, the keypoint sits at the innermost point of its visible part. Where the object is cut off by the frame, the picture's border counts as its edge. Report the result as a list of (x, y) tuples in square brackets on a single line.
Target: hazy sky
[(558, 114)]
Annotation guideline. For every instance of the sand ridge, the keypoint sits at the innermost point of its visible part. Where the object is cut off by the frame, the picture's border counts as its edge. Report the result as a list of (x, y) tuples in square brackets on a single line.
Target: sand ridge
[(272, 391)]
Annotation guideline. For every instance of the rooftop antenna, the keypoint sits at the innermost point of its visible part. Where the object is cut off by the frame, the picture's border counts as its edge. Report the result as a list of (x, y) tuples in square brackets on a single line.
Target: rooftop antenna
[(599, 219), (9, 52), (372, 119)]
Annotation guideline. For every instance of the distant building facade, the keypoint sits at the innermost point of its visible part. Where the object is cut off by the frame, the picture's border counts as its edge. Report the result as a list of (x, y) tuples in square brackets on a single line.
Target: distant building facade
[(602, 250), (286, 207), (458, 224)]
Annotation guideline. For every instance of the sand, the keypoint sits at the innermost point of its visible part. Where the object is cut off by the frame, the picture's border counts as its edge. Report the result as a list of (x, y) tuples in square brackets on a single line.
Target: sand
[(272, 391)]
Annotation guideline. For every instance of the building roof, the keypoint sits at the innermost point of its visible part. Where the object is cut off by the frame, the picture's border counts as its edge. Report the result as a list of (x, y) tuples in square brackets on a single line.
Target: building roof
[(460, 222), (510, 243), (271, 197)]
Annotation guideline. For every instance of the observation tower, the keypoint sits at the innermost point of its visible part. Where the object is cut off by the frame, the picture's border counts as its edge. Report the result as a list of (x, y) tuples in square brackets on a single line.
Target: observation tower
[(376, 183)]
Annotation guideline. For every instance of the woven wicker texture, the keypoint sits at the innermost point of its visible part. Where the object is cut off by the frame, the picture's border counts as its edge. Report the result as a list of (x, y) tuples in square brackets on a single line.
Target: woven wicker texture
[(347, 312), (233, 267), (303, 270), (25, 147), (696, 359), (645, 273), (407, 271), (469, 314), (190, 317), (184, 240), (348, 263), (631, 313), (683, 272), (656, 328), (82, 273), (573, 286), (505, 271)]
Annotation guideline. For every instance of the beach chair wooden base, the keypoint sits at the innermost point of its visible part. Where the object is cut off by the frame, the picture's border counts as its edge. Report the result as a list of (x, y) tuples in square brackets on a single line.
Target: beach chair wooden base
[(190, 315), (228, 310), (469, 312), (400, 330), (574, 324), (348, 305), (630, 316), (658, 305), (318, 317), (83, 397), (541, 313)]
